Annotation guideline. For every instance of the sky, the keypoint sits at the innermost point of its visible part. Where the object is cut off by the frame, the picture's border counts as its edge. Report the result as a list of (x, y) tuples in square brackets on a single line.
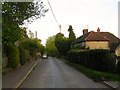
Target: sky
[(81, 14)]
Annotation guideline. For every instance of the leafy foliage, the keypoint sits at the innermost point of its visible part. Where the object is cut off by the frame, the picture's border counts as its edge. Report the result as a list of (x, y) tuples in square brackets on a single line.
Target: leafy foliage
[(50, 46), (97, 59), (40, 47), (71, 33), (30, 45), (13, 56), (10, 34), (62, 44), (13, 15), (33, 46), (95, 74), (24, 33), (24, 55), (17, 12), (118, 66)]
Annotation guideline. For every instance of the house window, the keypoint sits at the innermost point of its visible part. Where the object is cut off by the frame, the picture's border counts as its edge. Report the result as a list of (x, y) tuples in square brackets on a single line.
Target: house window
[(83, 44)]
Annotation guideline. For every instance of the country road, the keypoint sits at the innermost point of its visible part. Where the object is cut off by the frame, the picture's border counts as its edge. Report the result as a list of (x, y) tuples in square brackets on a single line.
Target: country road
[(53, 73)]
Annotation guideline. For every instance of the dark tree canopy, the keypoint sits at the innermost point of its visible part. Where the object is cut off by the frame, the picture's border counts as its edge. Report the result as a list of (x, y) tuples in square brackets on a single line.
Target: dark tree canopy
[(71, 33), (62, 43), (17, 12), (14, 14)]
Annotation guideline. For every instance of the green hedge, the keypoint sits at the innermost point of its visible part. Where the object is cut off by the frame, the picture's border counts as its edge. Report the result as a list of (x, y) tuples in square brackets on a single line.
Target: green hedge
[(97, 59), (24, 55), (73, 56), (13, 56)]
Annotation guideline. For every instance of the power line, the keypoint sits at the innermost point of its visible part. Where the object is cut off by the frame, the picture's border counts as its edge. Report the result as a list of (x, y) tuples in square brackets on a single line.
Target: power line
[(53, 13)]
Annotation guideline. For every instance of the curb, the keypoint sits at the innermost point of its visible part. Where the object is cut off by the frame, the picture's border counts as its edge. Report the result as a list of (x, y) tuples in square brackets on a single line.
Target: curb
[(109, 85), (28, 73)]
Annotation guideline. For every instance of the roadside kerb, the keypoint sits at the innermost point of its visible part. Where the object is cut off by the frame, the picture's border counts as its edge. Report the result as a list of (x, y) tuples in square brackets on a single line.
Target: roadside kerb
[(26, 75), (15, 78), (111, 84)]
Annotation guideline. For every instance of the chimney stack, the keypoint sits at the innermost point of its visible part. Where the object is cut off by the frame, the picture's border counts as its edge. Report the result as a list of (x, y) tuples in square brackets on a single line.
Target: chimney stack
[(85, 31), (98, 30)]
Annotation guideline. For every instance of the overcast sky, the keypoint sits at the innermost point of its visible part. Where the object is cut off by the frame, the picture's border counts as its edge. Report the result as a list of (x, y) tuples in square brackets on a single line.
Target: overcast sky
[(79, 14)]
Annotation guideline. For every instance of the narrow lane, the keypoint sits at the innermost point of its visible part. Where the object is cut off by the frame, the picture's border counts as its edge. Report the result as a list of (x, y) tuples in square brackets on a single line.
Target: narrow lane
[(53, 73)]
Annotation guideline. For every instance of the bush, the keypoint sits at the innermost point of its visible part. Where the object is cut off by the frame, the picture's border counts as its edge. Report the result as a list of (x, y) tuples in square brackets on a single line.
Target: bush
[(97, 59), (31, 46), (72, 56), (118, 65), (101, 60), (24, 55), (13, 56)]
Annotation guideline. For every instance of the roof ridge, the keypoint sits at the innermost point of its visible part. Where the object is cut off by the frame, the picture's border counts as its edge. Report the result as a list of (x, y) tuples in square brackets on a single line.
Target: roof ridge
[(89, 35)]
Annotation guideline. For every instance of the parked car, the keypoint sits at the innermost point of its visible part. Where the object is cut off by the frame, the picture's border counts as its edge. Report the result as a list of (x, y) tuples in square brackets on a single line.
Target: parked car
[(44, 56)]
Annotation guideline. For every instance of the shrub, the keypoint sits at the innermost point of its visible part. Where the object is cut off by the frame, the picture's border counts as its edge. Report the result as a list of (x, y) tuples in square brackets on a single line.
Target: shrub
[(97, 59), (24, 55), (101, 60), (13, 56), (72, 56), (118, 65), (31, 46)]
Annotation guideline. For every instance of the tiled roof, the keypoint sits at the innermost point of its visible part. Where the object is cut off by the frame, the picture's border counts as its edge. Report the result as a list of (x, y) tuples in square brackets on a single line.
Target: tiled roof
[(96, 36), (99, 36), (90, 36), (111, 37), (81, 38)]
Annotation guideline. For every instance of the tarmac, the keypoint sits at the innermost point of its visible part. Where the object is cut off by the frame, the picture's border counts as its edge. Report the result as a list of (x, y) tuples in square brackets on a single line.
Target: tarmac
[(15, 78)]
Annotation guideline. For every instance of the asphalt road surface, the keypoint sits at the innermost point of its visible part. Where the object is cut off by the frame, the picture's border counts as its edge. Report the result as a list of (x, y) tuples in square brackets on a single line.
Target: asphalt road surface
[(53, 73)]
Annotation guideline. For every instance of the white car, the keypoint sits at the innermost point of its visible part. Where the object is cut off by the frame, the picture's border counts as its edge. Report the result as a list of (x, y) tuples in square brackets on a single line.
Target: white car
[(44, 56)]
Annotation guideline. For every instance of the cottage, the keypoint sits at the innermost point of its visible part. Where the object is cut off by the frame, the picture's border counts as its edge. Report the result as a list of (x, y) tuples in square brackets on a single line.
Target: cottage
[(97, 40)]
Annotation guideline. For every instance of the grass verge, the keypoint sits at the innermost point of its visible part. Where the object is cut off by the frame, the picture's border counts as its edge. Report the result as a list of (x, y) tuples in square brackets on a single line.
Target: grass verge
[(94, 74)]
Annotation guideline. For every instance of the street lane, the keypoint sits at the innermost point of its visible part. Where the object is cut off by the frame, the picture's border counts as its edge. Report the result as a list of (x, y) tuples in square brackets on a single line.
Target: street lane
[(53, 73)]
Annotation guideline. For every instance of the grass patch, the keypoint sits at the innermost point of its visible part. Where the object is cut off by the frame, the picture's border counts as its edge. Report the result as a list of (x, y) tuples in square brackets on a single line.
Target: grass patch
[(94, 74)]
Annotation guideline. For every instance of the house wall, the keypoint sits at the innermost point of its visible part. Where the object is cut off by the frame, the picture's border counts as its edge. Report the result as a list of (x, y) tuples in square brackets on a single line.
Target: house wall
[(97, 44), (117, 51)]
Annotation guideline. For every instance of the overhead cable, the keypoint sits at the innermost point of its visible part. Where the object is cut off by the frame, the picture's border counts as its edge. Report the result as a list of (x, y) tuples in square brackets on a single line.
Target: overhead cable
[(52, 12)]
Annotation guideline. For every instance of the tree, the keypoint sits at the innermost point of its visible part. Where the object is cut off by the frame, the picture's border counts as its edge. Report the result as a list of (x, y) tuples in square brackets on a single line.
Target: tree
[(62, 44), (71, 33), (24, 33), (40, 47), (14, 14), (50, 46), (72, 36)]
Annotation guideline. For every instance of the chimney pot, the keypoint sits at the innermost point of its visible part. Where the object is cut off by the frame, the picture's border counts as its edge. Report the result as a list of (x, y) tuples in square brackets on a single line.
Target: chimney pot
[(98, 30), (85, 31)]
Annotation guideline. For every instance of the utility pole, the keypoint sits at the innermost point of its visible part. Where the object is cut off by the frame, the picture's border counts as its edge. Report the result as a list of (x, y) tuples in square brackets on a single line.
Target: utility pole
[(60, 28), (35, 34), (87, 26)]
